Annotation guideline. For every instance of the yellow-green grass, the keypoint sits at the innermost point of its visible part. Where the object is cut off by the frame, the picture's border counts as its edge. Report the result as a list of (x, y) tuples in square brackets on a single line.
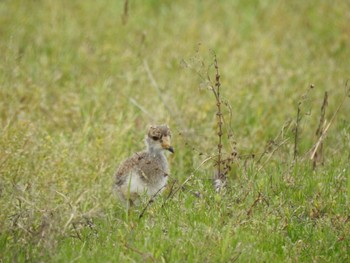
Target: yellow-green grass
[(78, 88)]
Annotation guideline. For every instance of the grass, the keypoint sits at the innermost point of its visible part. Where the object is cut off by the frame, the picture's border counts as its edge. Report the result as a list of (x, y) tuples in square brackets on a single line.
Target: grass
[(78, 89)]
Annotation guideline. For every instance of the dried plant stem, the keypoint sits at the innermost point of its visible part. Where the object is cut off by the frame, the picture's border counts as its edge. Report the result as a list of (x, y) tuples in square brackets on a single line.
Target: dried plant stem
[(323, 135), (220, 176), (150, 201), (139, 106), (279, 138), (260, 198), (320, 130), (172, 194), (272, 153), (77, 232), (155, 85), (126, 12), (297, 132), (324, 132), (298, 119)]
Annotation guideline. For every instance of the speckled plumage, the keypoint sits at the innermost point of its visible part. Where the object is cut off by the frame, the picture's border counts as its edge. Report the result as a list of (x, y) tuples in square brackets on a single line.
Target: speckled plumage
[(145, 172)]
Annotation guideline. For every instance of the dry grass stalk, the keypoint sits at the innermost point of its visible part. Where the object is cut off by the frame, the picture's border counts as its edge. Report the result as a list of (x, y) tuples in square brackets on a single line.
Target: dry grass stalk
[(315, 148), (259, 199), (298, 119), (320, 130), (272, 152), (167, 103), (126, 12), (273, 145), (173, 192), (143, 109), (150, 201)]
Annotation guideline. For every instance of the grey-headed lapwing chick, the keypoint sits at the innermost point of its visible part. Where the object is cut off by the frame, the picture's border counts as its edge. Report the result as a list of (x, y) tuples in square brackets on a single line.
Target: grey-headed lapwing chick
[(145, 172)]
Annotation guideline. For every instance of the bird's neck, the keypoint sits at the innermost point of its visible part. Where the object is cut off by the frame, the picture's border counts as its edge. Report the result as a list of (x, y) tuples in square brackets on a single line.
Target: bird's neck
[(154, 151)]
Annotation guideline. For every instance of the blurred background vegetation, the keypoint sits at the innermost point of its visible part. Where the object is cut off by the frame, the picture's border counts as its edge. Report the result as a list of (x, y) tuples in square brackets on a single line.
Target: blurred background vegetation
[(81, 80)]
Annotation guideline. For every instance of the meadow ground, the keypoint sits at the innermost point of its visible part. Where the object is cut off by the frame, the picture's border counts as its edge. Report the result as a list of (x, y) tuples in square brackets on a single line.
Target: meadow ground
[(81, 80)]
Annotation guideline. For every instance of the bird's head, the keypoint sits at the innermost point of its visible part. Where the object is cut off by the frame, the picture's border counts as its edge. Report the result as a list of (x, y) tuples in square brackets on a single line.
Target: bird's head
[(159, 138)]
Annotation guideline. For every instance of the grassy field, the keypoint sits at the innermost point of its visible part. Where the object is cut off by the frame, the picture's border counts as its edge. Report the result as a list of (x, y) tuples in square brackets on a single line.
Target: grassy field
[(80, 81)]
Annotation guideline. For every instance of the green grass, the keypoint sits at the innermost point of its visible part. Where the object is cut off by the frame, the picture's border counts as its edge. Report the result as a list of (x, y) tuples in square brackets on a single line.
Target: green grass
[(76, 97)]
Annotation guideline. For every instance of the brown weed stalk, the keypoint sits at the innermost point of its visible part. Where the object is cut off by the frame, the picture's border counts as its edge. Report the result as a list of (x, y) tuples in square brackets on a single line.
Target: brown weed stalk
[(220, 177), (320, 130), (297, 122), (298, 119), (316, 146), (125, 12)]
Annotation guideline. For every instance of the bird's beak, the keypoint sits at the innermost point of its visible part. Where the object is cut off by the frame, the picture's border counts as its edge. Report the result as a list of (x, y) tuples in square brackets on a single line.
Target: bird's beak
[(171, 149), (166, 144)]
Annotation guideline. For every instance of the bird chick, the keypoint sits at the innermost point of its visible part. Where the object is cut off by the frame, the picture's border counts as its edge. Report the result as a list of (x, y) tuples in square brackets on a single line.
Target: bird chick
[(145, 172)]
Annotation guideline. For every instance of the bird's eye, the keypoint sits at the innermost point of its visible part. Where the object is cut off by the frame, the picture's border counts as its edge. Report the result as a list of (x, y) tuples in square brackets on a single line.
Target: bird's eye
[(156, 138)]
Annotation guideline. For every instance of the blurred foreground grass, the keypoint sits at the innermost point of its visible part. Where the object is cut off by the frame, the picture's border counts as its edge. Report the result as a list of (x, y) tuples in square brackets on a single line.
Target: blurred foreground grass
[(78, 89)]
